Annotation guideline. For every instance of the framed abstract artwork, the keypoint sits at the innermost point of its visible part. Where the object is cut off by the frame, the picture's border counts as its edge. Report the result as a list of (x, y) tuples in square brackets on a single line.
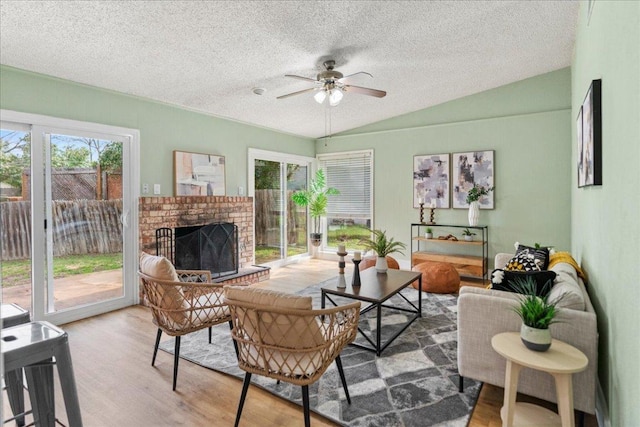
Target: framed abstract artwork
[(198, 174), (431, 180), (469, 169), (589, 132)]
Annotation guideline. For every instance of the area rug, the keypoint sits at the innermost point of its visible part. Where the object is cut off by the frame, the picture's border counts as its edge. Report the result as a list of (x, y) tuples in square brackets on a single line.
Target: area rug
[(413, 383)]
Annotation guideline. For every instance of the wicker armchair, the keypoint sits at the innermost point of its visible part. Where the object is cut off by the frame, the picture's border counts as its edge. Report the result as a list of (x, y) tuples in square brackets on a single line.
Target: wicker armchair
[(181, 301), (279, 336)]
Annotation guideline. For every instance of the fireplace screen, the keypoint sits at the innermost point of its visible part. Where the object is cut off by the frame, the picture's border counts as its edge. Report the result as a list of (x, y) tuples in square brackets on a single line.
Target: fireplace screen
[(212, 247)]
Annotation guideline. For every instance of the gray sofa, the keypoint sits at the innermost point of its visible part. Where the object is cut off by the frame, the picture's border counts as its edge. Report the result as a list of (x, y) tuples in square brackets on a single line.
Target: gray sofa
[(483, 313)]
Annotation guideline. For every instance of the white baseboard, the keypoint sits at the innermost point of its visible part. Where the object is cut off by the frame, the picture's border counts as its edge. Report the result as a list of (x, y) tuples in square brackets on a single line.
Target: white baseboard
[(602, 410)]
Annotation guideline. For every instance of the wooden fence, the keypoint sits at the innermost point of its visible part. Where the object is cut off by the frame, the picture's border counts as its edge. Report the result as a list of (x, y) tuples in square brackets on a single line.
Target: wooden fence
[(79, 227)]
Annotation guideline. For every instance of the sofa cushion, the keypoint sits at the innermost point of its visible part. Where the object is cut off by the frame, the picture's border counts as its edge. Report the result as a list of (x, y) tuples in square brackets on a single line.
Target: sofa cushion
[(286, 330), (169, 296), (267, 297), (529, 259), (157, 267), (568, 286), (503, 280)]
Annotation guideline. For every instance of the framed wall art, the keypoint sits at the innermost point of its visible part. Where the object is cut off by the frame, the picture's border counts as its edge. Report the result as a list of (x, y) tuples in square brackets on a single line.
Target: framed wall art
[(589, 132), (469, 169), (431, 180), (198, 174)]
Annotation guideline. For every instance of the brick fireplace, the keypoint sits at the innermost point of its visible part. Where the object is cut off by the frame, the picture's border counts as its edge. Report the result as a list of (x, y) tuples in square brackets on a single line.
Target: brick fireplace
[(172, 212)]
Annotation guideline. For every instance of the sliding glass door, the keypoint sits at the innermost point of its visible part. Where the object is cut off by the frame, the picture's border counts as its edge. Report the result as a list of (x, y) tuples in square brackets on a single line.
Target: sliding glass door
[(68, 248), (280, 225), (15, 216)]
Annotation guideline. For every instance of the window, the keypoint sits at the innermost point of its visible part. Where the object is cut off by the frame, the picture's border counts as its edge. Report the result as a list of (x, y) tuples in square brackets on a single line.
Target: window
[(350, 213)]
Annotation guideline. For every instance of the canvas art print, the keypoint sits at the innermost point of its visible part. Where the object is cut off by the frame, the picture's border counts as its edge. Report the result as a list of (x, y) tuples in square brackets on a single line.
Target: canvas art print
[(590, 138), (198, 174), (431, 180), (476, 167)]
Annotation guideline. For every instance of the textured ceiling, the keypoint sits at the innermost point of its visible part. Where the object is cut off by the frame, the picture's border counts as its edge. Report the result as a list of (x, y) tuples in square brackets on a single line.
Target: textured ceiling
[(208, 55)]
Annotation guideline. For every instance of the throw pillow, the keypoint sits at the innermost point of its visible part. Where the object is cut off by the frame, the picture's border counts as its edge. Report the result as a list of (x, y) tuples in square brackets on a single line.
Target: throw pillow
[(529, 259), (502, 280)]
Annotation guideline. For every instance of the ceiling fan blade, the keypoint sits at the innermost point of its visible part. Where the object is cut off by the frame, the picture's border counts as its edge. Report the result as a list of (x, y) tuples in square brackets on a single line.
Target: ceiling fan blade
[(301, 78), (311, 89), (345, 79), (365, 91)]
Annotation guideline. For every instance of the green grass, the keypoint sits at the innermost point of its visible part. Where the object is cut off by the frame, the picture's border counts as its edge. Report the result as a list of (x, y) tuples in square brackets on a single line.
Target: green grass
[(18, 272), (348, 235)]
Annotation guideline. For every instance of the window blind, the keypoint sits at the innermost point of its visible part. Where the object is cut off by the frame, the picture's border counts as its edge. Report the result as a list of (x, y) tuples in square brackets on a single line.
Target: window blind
[(351, 174)]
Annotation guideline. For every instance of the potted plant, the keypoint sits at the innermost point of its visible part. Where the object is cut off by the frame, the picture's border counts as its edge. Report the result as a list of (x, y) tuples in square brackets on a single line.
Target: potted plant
[(473, 197), (315, 198), (468, 235), (537, 313), (429, 233), (382, 246)]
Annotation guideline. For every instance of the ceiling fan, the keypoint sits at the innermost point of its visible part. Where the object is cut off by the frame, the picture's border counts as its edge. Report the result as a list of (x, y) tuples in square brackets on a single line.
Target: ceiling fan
[(332, 84)]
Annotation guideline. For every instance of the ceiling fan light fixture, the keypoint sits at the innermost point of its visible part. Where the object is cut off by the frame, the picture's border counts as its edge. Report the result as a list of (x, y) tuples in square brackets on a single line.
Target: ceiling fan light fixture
[(320, 96), (335, 96)]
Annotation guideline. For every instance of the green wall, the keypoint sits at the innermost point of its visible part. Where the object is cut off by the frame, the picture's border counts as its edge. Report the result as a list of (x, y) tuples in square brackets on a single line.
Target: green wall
[(605, 220), (527, 123), (163, 128)]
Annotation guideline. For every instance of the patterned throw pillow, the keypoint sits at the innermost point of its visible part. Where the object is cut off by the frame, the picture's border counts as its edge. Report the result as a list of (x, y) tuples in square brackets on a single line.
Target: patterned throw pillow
[(529, 259), (503, 280)]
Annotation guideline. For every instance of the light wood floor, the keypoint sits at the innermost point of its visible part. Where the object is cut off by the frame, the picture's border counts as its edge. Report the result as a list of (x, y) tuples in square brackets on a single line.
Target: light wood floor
[(118, 387)]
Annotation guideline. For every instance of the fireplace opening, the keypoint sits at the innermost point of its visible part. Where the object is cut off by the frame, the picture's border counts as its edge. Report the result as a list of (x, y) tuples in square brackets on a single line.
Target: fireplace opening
[(212, 247)]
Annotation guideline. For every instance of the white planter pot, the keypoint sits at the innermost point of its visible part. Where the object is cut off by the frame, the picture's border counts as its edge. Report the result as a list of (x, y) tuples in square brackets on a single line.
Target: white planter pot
[(535, 339), (468, 238), (428, 235), (381, 265), (474, 213)]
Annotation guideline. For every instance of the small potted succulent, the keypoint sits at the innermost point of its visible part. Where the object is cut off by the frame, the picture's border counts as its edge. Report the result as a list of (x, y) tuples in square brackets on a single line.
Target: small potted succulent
[(468, 235), (537, 313), (429, 233), (383, 246)]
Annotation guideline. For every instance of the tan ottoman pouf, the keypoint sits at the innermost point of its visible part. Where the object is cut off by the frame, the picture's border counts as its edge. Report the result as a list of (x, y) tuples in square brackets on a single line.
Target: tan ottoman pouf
[(438, 277), (370, 261)]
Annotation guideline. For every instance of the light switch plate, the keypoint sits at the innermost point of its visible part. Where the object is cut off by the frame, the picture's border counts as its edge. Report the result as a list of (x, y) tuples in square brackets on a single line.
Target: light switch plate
[(156, 188), (240, 191), (145, 188)]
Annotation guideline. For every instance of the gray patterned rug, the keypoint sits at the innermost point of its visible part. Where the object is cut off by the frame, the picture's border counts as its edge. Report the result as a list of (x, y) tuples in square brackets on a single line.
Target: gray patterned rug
[(413, 383)]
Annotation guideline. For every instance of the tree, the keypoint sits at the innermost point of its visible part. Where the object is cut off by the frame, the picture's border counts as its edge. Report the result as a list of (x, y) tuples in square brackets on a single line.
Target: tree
[(70, 157), (111, 157), (95, 146), (267, 174), (15, 157)]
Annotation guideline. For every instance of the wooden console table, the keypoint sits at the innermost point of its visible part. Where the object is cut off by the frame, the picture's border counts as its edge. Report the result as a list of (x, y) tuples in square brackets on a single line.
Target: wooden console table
[(561, 360)]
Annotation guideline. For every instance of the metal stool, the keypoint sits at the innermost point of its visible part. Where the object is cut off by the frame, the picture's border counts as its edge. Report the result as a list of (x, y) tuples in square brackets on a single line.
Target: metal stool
[(12, 315), (32, 346)]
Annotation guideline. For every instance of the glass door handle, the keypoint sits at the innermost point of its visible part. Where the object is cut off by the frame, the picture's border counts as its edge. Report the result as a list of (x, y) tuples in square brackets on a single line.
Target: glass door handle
[(124, 218)]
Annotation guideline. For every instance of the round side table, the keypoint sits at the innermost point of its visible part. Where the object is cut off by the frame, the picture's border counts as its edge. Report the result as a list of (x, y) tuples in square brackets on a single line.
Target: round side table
[(561, 361)]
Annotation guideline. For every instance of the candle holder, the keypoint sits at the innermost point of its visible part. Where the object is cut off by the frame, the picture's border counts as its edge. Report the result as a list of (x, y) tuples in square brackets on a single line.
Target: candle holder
[(341, 263), (355, 281), (432, 216), (421, 213), (341, 282)]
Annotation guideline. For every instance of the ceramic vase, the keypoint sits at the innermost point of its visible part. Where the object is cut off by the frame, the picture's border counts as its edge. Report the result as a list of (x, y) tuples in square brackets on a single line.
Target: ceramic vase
[(381, 264), (316, 239), (535, 339), (474, 213)]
